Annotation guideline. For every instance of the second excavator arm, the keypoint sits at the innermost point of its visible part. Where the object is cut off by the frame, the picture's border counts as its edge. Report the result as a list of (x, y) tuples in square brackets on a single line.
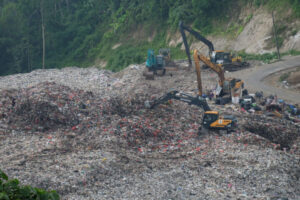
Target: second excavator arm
[(197, 35), (174, 94)]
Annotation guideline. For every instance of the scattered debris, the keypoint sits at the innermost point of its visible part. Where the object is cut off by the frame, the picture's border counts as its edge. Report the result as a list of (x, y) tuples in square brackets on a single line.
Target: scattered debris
[(277, 131), (87, 134)]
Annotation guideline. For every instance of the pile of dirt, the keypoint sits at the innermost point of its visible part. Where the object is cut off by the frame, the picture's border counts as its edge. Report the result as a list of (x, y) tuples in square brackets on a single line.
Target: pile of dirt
[(278, 131), (294, 78)]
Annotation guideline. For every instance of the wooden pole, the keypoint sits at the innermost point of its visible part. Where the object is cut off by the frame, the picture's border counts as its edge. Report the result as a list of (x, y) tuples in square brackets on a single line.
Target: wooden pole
[(275, 35)]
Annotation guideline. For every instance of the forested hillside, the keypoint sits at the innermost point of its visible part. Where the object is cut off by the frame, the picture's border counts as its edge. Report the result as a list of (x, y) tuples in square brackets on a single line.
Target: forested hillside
[(85, 32)]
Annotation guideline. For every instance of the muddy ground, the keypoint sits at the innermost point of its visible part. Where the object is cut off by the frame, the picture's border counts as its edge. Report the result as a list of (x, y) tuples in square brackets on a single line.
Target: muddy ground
[(286, 79)]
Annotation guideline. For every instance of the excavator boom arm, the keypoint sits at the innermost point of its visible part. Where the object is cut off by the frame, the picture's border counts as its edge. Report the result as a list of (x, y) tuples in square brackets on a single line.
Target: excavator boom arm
[(215, 67), (196, 35), (198, 72), (198, 101)]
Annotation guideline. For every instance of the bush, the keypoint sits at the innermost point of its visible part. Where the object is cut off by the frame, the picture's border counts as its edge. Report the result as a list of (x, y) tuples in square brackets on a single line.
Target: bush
[(284, 76), (266, 57), (11, 190)]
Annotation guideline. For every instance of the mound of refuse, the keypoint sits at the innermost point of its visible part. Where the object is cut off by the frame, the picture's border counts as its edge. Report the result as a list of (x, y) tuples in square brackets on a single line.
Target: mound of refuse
[(106, 144), (278, 131), (46, 106)]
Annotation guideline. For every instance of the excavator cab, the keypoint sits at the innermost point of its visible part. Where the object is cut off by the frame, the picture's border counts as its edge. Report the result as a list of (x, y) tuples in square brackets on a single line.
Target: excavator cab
[(154, 64), (212, 120), (221, 57), (209, 118)]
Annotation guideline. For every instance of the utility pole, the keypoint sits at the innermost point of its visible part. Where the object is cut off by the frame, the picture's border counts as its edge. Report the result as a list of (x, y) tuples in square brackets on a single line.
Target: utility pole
[(275, 35)]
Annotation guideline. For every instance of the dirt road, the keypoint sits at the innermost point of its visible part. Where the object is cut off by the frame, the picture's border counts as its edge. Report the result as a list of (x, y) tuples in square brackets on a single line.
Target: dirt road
[(254, 78)]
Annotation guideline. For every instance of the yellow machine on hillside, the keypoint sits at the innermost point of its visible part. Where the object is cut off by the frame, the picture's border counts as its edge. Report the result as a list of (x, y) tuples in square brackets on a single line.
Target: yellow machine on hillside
[(230, 87), (220, 57), (211, 119)]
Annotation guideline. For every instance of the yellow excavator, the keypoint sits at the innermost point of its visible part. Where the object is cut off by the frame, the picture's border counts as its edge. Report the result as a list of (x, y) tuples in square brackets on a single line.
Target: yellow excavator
[(220, 57), (211, 119), (230, 87)]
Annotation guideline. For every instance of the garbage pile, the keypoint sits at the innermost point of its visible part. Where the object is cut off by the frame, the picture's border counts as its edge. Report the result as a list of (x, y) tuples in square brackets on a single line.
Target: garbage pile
[(270, 106), (49, 106), (43, 107), (101, 142), (166, 126), (88, 79), (275, 130)]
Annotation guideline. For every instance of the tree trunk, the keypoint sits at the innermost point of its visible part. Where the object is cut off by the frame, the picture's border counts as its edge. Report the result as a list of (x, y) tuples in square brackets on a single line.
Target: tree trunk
[(43, 32), (28, 62), (275, 35), (67, 3), (55, 9), (61, 11)]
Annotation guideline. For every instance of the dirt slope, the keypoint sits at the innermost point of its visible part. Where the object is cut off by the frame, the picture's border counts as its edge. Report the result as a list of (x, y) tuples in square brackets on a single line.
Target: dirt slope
[(255, 36)]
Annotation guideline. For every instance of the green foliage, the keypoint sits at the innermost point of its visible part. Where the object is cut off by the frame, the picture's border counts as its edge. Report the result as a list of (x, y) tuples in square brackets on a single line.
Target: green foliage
[(248, 19), (128, 54), (284, 76), (179, 13), (279, 5), (279, 40), (266, 57), (234, 30), (257, 3), (10, 189), (296, 7), (3, 176), (292, 53), (294, 32), (79, 32), (133, 51), (240, 30)]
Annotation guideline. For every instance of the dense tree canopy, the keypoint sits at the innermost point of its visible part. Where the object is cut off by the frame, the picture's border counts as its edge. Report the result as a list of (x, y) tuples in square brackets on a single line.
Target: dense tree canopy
[(74, 29)]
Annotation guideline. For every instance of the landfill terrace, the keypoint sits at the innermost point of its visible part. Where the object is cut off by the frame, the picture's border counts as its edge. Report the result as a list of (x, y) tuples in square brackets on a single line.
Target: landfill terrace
[(87, 134)]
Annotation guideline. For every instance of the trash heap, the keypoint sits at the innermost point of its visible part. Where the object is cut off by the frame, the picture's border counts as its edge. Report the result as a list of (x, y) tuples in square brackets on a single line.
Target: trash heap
[(49, 106), (43, 107), (161, 127), (100, 142), (278, 131), (270, 106)]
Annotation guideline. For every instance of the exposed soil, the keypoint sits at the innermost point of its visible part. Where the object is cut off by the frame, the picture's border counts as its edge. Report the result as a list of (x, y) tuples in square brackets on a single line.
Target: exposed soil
[(256, 35), (291, 82)]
